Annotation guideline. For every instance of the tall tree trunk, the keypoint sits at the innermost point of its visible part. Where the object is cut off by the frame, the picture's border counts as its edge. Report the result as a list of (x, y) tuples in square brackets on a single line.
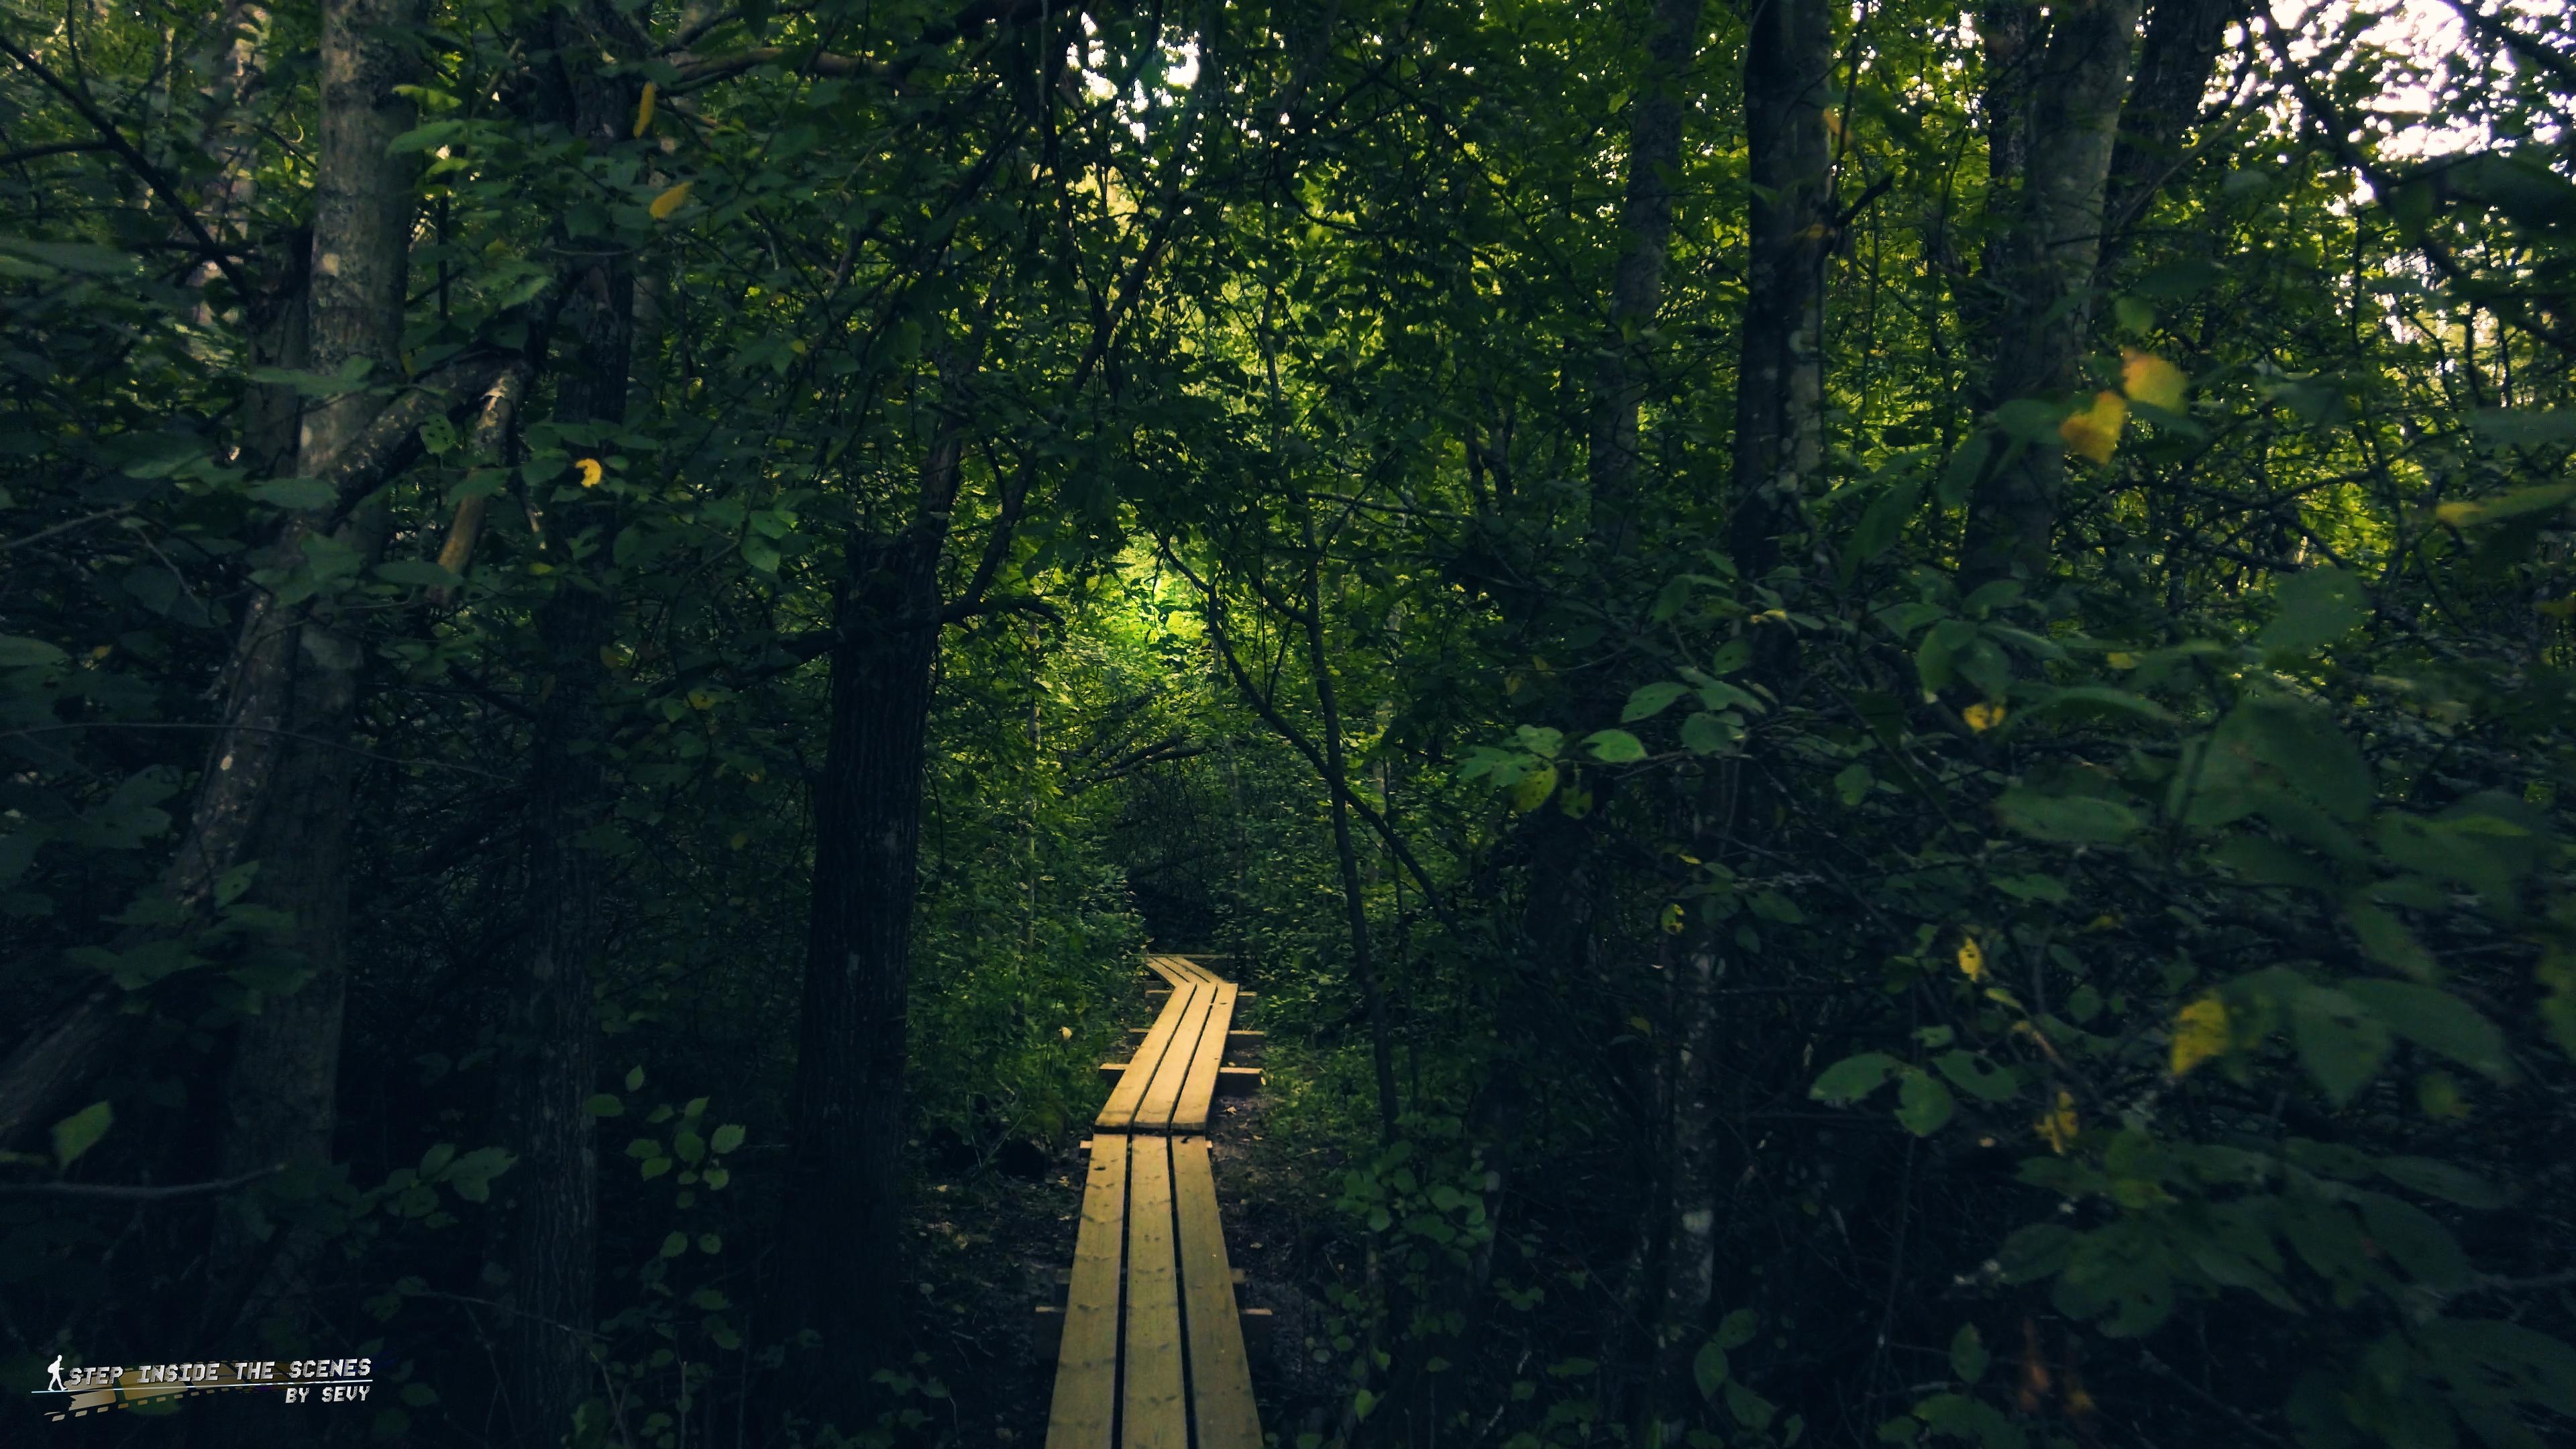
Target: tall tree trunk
[(2046, 258), (1337, 780), (551, 1029), (1788, 65), (1663, 98), (279, 781), (2175, 63), (844, 1207)]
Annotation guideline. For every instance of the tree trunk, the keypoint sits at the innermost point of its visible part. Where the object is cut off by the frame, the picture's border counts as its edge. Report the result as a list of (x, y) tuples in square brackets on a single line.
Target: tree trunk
[(844, 1209), (550, 1032), (1663, 97), (279, 779), (1788, 68), (1337, 780), (2174, 64), (2050, 244)]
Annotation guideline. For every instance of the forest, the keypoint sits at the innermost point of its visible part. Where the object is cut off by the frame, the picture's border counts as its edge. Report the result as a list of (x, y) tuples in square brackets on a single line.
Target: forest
[(1883, 698)]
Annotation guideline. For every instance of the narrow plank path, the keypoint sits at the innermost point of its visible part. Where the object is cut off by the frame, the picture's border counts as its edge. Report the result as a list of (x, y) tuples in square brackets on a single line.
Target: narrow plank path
[(1152, 1352)]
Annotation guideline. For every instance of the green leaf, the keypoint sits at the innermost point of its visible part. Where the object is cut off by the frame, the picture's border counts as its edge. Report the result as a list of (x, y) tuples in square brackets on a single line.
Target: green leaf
[(604, 1104), (1749, 1408), (2317, 607), (297, 493), (1614, 747), (1852, 1078), (1978, 1077), (2341, 1044), (675, 1244), (2072, 819), (1710, 734), (1736, 1329), (727, 1137), (80, 1131), (2525, 427), (1968, 1356), (635, 1079), (2437, 1021), (1709, 1369), (419, 573), (1923, 1105), (1649, 700), (1853, 784), (22, 653), (2435, 1178)]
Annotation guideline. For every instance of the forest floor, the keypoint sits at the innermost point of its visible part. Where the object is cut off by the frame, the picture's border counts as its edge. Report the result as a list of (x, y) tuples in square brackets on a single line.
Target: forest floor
[(990, 1245)]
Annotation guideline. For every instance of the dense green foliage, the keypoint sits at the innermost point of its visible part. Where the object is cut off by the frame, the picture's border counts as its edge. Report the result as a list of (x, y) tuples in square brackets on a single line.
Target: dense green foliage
[(1739, 969)]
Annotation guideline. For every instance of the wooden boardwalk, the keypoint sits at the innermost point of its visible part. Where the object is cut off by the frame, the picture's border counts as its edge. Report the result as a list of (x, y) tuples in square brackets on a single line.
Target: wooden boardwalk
[(1152, 1349)]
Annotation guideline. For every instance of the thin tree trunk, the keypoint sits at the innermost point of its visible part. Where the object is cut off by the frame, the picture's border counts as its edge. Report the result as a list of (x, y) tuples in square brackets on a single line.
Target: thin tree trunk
[(283, 799), (550, 1031), (2049, 247), (1337, 781), (1664, 97)]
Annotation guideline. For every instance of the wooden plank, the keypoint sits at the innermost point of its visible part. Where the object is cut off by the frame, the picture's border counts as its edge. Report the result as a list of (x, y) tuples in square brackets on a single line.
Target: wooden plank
[(1190, 1111), (1220, 1370), (1085, 1412), (1156, 1413), (1123, 1101), (1165, 1095), (1170, 968)]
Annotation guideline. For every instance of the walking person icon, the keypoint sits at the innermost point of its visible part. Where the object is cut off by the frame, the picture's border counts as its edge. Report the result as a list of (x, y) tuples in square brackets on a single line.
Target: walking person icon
[(56, 1369)]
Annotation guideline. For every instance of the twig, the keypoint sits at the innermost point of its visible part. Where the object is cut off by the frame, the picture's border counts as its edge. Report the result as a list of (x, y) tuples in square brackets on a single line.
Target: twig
[(113, 1192)]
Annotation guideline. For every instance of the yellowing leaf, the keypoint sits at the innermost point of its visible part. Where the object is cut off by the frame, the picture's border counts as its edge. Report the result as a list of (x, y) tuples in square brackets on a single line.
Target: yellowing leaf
[(2456, 514), (2095, 432), (1066, 1032), (1983, 717), (700, 699), (1673, 919), (2122, 659), (2058, 1128), (2150, 379), (2199, 1033), (1534, 788), (616, 656), (644, 109), (1972, 959), (669, 201), (589, 470)]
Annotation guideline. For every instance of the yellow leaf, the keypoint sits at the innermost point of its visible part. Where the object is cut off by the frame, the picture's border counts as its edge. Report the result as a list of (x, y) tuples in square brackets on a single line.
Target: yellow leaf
[(2150, 379), (644, 109), (1972, 959), (2095, 432), (1673, 919), (2199, 1033), (2122, 659), (700, 699), (590, 471), (2104, 922), (669, 201), (1534, 788), (2058, 1128), (1643, 1026), (1983, 717), (1066, 1032)]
